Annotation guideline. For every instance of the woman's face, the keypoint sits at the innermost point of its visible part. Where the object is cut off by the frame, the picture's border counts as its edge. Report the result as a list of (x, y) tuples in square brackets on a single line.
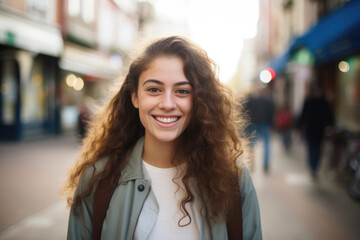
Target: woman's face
[(164, 99)]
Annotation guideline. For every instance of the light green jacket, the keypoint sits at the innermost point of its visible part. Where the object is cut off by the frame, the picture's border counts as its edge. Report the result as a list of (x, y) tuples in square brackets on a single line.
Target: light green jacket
[(128, 201)]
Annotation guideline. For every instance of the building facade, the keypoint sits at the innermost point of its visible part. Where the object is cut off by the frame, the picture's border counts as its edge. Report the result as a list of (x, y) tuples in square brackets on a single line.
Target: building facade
[(314, 42), (30, 47), (59, 56)]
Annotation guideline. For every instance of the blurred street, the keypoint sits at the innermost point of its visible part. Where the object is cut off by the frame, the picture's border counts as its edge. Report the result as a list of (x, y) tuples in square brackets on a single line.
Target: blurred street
[(60, 59), (31, 174), (292, 205)]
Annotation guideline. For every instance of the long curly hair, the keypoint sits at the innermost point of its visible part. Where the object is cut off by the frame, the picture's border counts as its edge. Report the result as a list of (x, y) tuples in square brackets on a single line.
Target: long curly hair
[(210, 145)]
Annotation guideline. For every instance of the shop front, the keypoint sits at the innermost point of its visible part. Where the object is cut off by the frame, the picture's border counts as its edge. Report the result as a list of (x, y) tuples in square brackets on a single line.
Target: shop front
[(348, 94), (327, 54), (29, 55)]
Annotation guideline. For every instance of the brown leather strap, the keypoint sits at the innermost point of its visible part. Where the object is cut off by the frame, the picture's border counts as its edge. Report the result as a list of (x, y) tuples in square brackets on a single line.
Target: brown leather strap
[(234, 223), (102, 197), (105, 190)]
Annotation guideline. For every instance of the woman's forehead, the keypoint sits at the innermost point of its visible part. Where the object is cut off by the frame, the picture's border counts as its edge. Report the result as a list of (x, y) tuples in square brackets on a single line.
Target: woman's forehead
[(164, 68)]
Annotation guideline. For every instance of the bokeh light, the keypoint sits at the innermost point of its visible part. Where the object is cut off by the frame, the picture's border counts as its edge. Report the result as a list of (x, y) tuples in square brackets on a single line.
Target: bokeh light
[(265, 76), (79, 84), (344, 66), (76, 82), (71, 80)]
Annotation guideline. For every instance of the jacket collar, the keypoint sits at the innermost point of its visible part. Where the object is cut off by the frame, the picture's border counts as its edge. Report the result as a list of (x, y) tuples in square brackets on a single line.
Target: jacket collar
[(133, 169)]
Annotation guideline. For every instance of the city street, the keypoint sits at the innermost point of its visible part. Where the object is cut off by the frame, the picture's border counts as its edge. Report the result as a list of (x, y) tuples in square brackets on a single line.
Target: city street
[(293, 206)]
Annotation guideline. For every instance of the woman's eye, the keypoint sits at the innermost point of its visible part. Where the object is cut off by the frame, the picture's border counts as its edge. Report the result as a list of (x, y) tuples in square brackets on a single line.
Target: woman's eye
[(153, 90), (183, 91)]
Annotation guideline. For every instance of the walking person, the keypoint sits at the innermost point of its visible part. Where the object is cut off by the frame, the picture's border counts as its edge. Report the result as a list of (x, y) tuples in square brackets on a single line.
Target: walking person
[(166, 151), (284, 123), (260, 109), (316, 115)]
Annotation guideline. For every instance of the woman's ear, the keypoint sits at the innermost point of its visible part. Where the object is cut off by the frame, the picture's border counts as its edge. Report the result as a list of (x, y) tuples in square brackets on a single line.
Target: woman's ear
[(134, 99)]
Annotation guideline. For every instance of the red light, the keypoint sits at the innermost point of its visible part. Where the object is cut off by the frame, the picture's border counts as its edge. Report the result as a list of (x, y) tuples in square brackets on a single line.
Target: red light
[(272, 72)]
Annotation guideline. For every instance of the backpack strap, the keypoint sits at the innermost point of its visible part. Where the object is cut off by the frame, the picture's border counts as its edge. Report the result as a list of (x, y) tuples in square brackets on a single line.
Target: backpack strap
[(106, 188), (102, 197), (234, 224)]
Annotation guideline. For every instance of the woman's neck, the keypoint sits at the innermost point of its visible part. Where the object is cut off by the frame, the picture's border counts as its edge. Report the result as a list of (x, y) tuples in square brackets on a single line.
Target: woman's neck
[(157, 153)]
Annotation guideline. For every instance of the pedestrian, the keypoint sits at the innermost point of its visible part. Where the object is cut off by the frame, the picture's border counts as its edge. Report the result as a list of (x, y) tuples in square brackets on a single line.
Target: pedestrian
[(316, 115), (168, 147), (284, 123), (84, 116), (260, 109)]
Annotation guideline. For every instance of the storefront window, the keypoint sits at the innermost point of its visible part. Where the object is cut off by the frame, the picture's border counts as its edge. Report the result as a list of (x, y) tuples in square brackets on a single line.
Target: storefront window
[(348, 87), (70, 101), (8, 92), (34, 95)]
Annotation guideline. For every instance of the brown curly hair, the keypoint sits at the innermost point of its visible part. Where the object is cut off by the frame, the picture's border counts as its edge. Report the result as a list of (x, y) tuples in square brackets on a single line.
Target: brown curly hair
[(210, 144)]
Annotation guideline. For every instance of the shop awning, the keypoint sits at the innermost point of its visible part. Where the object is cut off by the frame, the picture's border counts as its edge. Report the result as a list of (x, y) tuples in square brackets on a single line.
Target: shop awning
[(336, 35), (90, 62), (279, 63), (22, 33)]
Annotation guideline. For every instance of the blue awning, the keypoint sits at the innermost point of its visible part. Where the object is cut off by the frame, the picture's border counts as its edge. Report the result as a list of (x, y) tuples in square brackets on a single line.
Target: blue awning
[(335, 36), (279, 63)]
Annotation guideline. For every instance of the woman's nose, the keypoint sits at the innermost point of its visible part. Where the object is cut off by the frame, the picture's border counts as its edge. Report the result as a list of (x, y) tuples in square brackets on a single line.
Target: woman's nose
[(167, 102)]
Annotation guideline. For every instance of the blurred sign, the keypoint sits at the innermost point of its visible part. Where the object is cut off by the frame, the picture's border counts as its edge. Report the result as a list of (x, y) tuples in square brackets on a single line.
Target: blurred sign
[(28, 35), (10, 38)]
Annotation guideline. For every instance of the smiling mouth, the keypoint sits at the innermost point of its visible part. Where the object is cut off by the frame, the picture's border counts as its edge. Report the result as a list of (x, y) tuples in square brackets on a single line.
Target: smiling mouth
[(166, 119)]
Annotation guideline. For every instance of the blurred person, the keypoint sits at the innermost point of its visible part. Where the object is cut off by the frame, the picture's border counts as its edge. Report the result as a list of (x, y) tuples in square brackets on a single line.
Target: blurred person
[(84, 116), (316, 115), (284, 123), (260, 109), (167, 144)]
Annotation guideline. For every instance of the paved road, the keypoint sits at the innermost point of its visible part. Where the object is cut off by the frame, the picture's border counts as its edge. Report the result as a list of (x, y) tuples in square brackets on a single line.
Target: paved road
[(292, 205)]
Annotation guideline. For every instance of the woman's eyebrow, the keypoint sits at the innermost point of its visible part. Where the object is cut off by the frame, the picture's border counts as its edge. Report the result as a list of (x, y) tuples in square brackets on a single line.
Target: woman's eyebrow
[(161, 83), (153, 81), (182, 83)]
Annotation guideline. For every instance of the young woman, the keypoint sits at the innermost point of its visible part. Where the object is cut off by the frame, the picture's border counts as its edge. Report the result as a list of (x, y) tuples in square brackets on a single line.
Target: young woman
[(169, 143)]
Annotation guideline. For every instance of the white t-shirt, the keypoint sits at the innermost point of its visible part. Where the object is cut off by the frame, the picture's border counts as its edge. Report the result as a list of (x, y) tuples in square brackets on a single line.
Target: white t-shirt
[(168, 195)]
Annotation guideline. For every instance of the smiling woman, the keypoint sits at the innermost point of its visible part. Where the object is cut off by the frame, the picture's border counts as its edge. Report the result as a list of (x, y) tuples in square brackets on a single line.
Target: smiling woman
[(160, 160)]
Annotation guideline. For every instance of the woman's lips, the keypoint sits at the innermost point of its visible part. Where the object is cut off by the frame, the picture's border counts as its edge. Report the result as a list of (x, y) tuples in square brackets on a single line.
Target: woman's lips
[(166, 121)]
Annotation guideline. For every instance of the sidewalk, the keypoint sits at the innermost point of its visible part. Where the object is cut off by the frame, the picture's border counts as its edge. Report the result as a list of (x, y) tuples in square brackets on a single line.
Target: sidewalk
[(293, 206), (48, 223), (31, 174)]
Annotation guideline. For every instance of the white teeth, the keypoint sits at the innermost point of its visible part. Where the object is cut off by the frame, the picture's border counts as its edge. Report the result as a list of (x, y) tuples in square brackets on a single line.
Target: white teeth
[(166, 120)]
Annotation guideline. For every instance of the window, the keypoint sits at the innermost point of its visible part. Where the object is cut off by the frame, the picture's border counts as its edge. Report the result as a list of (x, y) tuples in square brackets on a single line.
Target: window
[(74, 7), (84, 9)]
